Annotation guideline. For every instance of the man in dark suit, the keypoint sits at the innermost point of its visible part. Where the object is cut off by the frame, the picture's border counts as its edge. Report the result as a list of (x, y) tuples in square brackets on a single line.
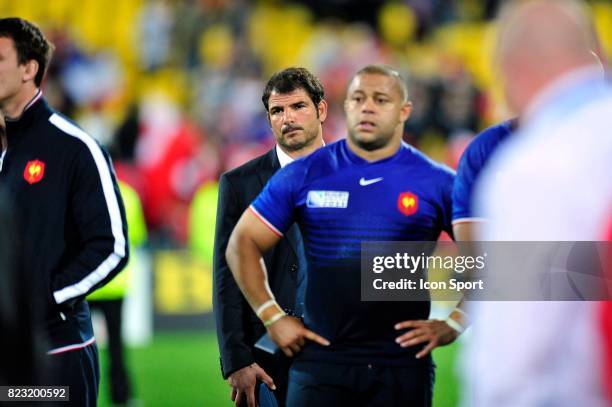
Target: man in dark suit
[(295, 107)]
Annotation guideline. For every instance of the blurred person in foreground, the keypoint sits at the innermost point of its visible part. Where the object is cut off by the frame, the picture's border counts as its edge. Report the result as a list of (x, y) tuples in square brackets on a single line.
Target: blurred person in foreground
[(550, 182), (348, 351), (19, 342), (472, 164), (72, 228), (478, 155), (296, 109)]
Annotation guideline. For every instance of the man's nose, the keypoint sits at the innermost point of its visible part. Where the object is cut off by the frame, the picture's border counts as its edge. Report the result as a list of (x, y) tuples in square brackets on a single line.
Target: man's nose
[(288, 116), (368, 106)]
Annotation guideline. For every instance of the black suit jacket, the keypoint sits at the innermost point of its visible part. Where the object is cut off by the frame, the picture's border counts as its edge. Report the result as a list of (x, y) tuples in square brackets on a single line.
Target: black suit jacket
[(238, 328)]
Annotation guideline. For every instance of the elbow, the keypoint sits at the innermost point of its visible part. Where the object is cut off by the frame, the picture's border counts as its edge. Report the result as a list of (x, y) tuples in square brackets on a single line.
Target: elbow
[(122, 251), (239, 248), (126, 252), (125, 258), (463, 232)]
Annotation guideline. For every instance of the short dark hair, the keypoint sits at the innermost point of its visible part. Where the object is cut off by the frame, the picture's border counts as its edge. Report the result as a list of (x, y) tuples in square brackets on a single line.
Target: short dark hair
[(290, 79), (385, 70), (30, 43)]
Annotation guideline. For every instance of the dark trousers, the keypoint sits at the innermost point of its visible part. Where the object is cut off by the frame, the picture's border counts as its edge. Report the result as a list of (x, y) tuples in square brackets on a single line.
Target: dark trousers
[(327, 384), (79, 370), (119, 382)]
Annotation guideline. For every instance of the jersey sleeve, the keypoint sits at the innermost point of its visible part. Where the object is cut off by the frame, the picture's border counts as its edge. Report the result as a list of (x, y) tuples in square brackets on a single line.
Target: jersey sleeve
[(275, 205), (446, 200), (99, 215), (469, 167), (472, 162)]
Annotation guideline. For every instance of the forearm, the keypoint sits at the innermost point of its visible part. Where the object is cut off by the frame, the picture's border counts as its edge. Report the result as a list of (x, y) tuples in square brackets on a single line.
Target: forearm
[(464, 236)]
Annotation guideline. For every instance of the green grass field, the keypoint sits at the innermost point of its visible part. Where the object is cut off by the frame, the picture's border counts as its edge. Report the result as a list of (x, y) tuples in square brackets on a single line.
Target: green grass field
[(182, 369)]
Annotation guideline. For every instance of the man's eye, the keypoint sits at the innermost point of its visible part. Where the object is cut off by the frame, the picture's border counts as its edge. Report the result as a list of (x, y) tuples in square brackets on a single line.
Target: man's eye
[(381, 101)]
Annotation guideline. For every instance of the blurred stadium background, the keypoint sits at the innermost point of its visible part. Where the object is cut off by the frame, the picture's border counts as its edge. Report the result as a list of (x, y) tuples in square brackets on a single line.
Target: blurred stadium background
[(172, 88)]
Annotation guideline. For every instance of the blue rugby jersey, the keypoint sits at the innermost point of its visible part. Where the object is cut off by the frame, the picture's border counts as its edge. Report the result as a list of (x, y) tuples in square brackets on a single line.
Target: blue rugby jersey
[(473, 160), (339, 200)]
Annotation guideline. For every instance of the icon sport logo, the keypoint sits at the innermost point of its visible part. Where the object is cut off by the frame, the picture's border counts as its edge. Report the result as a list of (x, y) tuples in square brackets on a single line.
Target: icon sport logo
[(34, 171), (407, 203)]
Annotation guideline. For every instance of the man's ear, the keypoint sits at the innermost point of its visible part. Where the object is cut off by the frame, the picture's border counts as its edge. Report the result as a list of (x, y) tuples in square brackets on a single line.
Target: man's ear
[(322, 108), (30, 71), (405, 111)]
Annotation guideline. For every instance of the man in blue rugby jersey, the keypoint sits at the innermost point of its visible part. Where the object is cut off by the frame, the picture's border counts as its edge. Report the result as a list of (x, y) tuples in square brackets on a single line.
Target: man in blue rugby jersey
[(357, 353)]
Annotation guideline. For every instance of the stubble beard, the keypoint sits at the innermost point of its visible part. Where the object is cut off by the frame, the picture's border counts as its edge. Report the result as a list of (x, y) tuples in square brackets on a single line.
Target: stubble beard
[(309, 138), (380, 141)]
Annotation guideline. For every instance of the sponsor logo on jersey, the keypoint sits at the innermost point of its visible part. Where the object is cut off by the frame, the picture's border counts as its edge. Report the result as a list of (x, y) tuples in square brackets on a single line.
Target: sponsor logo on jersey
[(327, 199), (34, 171), (365, 182), (407, 203)]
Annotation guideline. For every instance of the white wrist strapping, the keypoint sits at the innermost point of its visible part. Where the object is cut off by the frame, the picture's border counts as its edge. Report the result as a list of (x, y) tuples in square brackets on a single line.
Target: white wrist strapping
[(263, 306), (274, 318), (455, 325)]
